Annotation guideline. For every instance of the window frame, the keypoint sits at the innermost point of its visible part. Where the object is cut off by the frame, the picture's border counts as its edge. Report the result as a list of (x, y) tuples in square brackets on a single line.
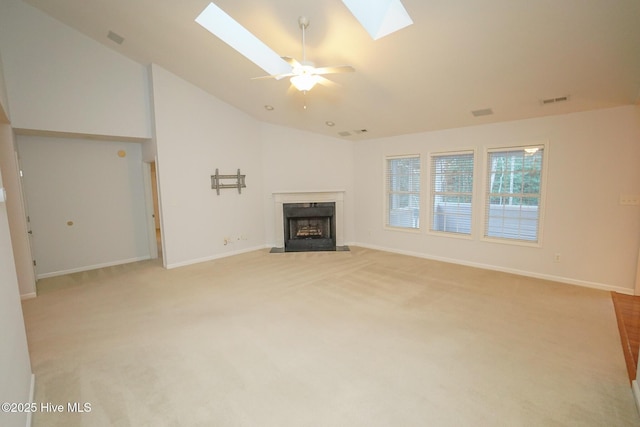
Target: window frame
[(486, 203), (386, 193), (473, 204)]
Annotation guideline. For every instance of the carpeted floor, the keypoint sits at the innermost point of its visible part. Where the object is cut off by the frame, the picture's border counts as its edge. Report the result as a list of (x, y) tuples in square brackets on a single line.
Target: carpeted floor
[(359, 338)]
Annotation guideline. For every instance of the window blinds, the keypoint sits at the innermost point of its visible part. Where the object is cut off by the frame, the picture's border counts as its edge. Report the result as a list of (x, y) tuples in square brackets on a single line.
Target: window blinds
[(452, 192), (403, 192), (514, 195)]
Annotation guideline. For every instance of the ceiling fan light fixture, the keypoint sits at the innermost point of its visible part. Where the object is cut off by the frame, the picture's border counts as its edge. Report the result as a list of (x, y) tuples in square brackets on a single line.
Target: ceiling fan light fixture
[(304, 82)]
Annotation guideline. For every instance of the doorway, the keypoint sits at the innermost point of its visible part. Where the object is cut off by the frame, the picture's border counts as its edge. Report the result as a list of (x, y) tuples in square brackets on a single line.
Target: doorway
[(153, 208)]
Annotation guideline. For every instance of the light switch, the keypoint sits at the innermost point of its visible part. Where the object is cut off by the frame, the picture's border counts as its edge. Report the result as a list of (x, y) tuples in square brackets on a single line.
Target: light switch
[(3, 195)]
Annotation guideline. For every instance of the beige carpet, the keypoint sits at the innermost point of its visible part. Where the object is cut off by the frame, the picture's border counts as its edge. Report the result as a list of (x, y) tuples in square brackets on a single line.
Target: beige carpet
[(360, 338)]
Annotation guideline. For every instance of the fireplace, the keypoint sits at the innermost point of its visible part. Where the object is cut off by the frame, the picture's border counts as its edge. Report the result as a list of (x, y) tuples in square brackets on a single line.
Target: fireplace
[(307, 198), (309, 226)]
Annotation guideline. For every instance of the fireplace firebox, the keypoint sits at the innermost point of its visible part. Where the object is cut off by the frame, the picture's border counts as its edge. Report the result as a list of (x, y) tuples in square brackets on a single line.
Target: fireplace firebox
[(309, 226)]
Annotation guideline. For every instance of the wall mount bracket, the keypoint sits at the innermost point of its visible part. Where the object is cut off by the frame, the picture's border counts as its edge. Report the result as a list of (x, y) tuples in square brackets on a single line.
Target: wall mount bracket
[(217, 185)]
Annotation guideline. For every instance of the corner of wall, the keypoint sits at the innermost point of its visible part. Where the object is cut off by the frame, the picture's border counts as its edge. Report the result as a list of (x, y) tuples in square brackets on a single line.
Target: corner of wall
[(4, 99)]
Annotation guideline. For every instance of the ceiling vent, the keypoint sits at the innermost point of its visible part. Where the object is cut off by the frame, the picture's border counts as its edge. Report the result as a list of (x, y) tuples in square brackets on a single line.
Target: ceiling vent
[(353, 132), (117, 38), (554, 100), (483, 112)]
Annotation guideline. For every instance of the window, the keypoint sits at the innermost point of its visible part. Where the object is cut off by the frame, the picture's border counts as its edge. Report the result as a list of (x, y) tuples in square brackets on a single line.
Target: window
[(403, 192), (451, 192), (514, 193)]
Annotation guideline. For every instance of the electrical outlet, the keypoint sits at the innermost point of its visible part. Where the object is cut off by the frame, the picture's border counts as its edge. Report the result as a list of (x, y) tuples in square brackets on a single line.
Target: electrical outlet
[(557, 257), (629, 200)]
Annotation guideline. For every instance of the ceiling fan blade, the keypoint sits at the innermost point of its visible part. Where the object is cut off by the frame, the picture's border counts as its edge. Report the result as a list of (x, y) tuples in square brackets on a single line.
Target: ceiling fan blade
[(326, 82), (334, 70), (294, 63), (277, 76)]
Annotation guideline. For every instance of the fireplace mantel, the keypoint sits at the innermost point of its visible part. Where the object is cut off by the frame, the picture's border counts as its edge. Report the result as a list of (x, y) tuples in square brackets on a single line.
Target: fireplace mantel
[(282, 197)]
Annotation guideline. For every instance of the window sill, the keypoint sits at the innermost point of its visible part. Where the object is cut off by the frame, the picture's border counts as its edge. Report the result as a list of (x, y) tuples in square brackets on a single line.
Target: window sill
[(513, 242), (402, 229), (461, 236)]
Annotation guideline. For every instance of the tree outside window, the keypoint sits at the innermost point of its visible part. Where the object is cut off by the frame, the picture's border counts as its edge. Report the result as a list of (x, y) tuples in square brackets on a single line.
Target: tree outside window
[(452, 192), (514, 193)]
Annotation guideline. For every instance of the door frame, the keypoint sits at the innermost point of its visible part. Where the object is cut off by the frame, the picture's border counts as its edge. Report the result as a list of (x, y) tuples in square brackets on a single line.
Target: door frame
[(150, 209), (16, 211)]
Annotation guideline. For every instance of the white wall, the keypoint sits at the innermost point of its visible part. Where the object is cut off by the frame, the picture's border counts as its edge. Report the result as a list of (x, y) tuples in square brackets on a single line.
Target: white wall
[(4, 101), (16, 214), (195, 134), (15, 205), (15, 365), (300, 161), (60, 80), (593, 159), (88, 183), (49, 66), (150, 148)]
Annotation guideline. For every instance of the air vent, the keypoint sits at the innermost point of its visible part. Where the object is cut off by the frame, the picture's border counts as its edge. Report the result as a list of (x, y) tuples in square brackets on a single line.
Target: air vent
[(554, 100), (117, 38), (352, 132), (483, 112)]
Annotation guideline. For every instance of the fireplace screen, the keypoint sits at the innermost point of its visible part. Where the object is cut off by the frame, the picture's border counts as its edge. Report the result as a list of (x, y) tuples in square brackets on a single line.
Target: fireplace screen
[(309, 227)]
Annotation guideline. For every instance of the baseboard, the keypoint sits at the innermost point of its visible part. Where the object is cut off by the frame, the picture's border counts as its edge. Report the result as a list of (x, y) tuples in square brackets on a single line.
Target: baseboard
[(566, 280), (636, 393), (92, 267), (28, 296), (32, 393), (560, 279), (214, 257)]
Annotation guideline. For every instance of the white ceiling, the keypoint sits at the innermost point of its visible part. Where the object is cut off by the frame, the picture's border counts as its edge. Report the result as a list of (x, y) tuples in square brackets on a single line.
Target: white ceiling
[(458, 56)]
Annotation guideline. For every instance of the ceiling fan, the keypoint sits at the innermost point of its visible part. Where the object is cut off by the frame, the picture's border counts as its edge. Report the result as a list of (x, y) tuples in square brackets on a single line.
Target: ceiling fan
[(303, 74)]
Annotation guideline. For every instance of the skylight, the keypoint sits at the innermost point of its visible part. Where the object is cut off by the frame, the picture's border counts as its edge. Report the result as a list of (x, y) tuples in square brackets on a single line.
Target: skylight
[(379, 17), (227, 29)]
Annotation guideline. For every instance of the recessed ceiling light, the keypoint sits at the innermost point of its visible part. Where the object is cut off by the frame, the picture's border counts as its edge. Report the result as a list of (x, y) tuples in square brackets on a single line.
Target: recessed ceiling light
[(329, 123), (269, 107)]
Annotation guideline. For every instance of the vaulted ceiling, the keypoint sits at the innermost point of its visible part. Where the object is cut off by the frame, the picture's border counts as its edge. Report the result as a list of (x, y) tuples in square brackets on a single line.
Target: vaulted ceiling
[(457, 57)]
